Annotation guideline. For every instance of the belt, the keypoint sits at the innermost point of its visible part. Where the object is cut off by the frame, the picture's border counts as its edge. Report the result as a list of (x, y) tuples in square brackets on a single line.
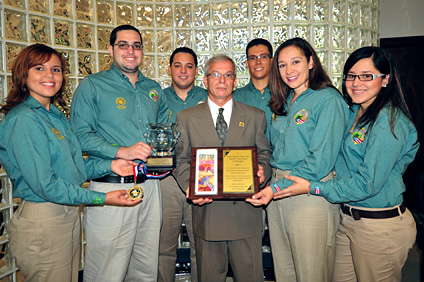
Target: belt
[(115, 179), (357, 214)]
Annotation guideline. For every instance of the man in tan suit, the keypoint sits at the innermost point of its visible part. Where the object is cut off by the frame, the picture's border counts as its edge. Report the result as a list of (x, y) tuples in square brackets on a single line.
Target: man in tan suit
[(224, 231)]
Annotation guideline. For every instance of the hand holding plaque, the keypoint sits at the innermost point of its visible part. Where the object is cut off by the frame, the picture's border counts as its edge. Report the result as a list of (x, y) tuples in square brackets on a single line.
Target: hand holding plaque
[(162, 137), (224, 173)]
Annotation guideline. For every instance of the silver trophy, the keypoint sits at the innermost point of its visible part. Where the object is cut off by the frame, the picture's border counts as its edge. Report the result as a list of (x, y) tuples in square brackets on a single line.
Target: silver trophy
[(163, 138)]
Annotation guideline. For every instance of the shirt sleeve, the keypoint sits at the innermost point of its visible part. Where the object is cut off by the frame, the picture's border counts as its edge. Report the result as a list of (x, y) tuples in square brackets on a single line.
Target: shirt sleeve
[(376, 168), (324, 144), (97, 167), (83, 118), (34, 160), (183, 152)]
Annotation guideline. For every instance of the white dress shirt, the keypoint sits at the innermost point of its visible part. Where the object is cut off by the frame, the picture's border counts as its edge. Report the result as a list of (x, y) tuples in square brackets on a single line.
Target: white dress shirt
[(228, 108)]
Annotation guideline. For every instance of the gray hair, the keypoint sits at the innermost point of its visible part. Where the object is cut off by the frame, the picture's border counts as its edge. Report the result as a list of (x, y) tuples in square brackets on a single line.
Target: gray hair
[(218, 58)]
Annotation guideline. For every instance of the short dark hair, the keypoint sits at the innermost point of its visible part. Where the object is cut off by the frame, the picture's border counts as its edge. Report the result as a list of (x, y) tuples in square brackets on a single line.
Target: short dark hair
[(256, 42), (113, 35), (183, 50)]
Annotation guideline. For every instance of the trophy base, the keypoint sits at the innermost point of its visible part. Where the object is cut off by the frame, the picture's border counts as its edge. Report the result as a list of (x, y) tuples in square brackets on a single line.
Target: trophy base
[(160, 163)]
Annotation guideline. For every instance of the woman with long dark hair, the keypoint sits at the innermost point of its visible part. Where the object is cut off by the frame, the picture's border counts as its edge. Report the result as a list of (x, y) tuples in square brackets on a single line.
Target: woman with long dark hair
[(43, 158), (306, 135), (376, 230)]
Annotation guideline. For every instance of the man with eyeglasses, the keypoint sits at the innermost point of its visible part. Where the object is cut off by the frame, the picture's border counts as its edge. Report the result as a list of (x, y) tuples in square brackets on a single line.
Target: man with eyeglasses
[(182, 94), (224, 231), (256, 92), (109, 113)]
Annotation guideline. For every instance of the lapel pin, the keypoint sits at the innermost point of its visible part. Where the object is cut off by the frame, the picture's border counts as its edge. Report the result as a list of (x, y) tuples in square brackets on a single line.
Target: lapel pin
[(241, 124)]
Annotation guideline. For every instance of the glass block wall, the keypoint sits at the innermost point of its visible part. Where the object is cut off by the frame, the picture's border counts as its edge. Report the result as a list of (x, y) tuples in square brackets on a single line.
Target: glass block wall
[(80, 29)]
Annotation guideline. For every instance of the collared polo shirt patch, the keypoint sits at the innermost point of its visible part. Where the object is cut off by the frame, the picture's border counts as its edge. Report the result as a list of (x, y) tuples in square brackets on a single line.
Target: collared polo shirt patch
[(358, 136), (121, 103), (317, 190), (301, 116), (59, 135), (154, 95)]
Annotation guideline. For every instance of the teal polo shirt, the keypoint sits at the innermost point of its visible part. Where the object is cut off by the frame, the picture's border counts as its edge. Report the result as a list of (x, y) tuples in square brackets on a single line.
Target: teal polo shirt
[(307, 140), (196, 95), (108, 112), (43, 157), (251, 96), (371, 163)]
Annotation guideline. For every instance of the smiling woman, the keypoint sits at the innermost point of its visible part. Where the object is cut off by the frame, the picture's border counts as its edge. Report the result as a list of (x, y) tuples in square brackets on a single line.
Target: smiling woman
[(306, 135), (36, 143), (45, 80), (376, 230), (363, 82)]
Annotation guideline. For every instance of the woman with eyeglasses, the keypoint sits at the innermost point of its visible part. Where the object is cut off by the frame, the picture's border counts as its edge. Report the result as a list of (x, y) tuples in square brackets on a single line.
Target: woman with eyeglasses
[(376, 230), (43, 158), (306, 135)]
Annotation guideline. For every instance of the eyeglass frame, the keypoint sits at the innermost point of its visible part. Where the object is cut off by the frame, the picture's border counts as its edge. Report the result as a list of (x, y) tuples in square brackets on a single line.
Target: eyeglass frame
[(374, 76), (218, 75), (261, 56), (132, 45)]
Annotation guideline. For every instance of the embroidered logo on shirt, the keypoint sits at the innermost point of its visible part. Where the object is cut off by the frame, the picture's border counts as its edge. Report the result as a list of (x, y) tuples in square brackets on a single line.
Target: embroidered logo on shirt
[(277, 188), (97, 201), (121, 103), (358, 136), (301, 116), (170, 114), (59, 135), (154, 95), (317, 190)]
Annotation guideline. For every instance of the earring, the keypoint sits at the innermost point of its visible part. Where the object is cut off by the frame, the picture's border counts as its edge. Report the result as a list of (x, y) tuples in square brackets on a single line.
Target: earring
[(384, 85)]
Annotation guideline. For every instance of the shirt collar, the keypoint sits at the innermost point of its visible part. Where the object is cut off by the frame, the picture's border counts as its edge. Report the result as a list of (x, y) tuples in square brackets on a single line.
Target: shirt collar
[(32, 103), (228, 108), (252, 87), (190, 93), (118, 72)]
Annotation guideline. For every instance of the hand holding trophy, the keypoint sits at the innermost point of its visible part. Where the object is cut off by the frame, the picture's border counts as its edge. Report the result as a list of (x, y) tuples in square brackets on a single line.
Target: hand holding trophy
[(162, 137)]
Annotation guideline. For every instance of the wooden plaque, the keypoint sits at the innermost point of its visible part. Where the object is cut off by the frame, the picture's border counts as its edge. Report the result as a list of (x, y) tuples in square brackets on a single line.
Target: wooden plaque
[(226, 173)]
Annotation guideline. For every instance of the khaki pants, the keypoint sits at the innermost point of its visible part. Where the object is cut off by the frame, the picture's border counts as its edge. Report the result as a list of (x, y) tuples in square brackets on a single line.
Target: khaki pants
[(175, 210), (373, 249), (302, 232), (123, 242), (45, 240)]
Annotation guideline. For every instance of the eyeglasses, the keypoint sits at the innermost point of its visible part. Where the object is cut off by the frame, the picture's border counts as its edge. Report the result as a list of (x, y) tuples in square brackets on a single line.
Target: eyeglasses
[(262, 56), (217, 75), (125, 46), (362, 77)]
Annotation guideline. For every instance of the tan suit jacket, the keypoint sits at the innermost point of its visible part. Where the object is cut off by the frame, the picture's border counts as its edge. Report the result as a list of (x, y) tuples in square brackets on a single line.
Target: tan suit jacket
[(222, 220)]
